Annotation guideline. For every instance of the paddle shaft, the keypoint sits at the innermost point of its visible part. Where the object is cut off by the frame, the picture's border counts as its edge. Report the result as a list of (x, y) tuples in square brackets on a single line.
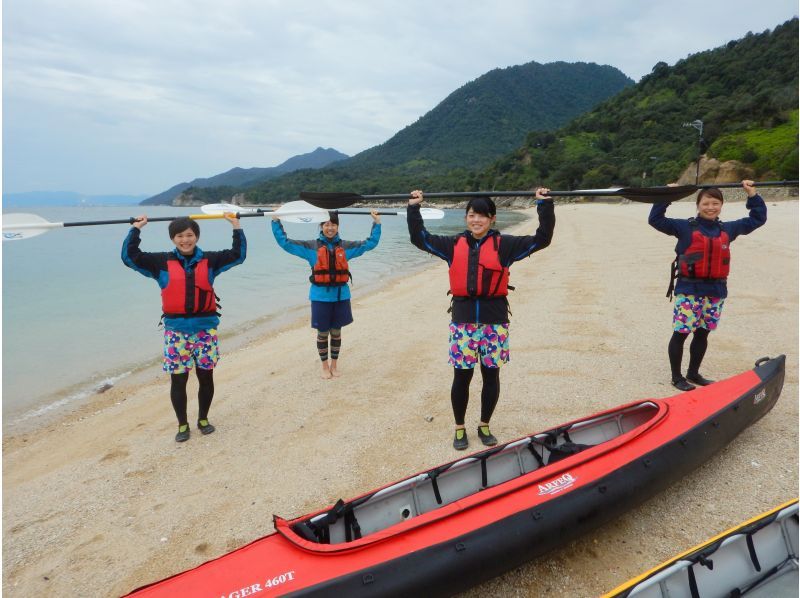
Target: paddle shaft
[(299, 213), (130, 220), (576, 193)]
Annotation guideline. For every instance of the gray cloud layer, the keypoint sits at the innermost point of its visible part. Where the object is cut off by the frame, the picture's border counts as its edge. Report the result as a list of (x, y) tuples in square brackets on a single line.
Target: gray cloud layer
[(132, 96)]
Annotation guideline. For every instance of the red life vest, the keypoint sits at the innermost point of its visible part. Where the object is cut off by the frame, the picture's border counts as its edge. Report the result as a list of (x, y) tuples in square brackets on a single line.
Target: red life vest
[(331, 268), (476, 271), (706, 257), (188, 293)]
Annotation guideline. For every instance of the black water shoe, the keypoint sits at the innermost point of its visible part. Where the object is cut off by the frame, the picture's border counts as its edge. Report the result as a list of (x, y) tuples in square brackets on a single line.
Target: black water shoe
[(460, 441), (205, 427), (486, 436), (183, 433), (682, 384), (699, 380)]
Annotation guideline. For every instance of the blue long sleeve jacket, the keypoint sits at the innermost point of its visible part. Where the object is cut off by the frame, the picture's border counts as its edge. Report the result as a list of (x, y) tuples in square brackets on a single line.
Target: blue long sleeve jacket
[(680, 228), (307, 250), (154, 265)]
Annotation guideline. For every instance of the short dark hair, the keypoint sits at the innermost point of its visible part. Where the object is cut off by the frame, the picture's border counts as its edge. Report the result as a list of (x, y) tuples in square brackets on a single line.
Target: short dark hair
[(482, 205), (333, 216), (711, 192), (181, 224)]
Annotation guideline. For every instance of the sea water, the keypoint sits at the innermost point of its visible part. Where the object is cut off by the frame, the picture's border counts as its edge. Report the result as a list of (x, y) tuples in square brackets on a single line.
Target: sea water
[(75, 319)]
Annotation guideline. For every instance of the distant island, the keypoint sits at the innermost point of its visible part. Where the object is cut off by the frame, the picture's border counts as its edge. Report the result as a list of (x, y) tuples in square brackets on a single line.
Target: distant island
[(66, 198)]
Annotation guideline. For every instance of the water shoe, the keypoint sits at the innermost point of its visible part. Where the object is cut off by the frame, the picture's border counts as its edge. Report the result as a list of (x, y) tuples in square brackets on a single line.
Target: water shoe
[(205, 427), (183, 433), (682, 384), (487, 438), (460, 441), (698, 379)]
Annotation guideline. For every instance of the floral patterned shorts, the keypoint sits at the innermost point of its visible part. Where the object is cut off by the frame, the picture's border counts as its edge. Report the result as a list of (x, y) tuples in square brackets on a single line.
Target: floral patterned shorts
[(472, 342), (696, 311), (182, 351)]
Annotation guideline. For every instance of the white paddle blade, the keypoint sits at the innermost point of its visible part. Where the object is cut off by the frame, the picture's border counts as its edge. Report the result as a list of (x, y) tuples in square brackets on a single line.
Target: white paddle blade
[(25, 226), (296, 206), (431, 213), (426, 213), (303, 217), (300, 212)]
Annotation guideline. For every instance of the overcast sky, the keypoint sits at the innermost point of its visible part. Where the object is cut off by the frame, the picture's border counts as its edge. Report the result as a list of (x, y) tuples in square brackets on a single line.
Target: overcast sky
[(134, 96)]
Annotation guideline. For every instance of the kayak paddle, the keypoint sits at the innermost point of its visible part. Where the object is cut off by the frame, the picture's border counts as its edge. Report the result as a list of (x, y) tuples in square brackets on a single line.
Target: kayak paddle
[(18, 226), (336, 200), (294, 212)]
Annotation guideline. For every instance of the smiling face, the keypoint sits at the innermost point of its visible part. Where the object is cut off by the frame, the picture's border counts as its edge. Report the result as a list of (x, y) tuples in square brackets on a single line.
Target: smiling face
[(330, 229), (709, 207), (185, 241), (478, 224)]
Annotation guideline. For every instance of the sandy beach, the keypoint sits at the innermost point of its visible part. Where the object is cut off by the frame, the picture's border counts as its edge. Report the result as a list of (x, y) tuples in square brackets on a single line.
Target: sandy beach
[(102, 500)]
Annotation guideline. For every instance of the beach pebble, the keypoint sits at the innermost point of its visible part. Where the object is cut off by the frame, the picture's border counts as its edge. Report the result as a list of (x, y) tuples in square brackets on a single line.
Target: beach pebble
[(428, 418)]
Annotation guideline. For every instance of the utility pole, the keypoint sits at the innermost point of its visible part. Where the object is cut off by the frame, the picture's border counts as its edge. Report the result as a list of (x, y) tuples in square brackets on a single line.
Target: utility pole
[(697, 124)]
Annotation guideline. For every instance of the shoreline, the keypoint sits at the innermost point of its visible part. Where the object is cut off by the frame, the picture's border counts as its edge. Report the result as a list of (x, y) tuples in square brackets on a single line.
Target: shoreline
[(104, 501), (50, 409)]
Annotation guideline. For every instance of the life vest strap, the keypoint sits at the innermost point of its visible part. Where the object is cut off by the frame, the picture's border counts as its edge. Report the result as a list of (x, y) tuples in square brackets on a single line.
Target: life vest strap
[(689, 279)]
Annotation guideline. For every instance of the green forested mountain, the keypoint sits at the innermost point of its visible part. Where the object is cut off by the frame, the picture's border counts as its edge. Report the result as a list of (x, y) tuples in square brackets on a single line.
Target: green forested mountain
[(745, 93), (491, 115), (473, 126)]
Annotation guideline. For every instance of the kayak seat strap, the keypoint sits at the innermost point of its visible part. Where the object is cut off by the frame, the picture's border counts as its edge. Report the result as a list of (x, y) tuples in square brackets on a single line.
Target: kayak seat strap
[(752, 550), (532, 448), (432, 475), (693, 583), (352, 530), (321, 527)]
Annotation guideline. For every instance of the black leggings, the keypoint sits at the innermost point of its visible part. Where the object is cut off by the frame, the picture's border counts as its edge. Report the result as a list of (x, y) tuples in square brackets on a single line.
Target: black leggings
[(459, 393), (177, 393), (697, 350)]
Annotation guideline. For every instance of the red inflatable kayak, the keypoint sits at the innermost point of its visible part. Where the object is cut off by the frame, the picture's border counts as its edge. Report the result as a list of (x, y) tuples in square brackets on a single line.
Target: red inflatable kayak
[(444, 530)]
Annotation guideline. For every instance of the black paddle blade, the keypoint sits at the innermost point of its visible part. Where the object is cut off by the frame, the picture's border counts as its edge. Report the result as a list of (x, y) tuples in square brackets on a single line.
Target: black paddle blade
[(330, 201), (656, 194)]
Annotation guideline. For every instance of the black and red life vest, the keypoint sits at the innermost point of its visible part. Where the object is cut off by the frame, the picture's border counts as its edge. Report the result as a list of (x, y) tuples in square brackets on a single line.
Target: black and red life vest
[(476, 271), (188, 293), (706, 257), (331, 269)]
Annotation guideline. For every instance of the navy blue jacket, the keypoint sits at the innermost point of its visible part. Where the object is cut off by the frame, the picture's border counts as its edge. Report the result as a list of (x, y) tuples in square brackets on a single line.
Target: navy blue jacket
[(512, 248), (680, 228), (154, 265)]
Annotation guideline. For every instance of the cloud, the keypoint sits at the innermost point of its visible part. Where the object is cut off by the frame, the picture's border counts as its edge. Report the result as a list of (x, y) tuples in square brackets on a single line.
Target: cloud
[(183, 89)]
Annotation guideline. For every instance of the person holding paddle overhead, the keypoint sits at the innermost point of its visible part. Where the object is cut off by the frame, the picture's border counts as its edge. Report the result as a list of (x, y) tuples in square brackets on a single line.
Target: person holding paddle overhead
[(479, 261), (700, 272), (329, 255), (186, 276)]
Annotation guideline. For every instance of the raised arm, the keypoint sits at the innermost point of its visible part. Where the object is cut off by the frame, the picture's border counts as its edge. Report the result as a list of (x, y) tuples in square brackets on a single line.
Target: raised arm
[(438, 245), (518, 247), (220, 261), (302, 249), (146, 264), (354, 249), (756, 218), (659, 221)]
